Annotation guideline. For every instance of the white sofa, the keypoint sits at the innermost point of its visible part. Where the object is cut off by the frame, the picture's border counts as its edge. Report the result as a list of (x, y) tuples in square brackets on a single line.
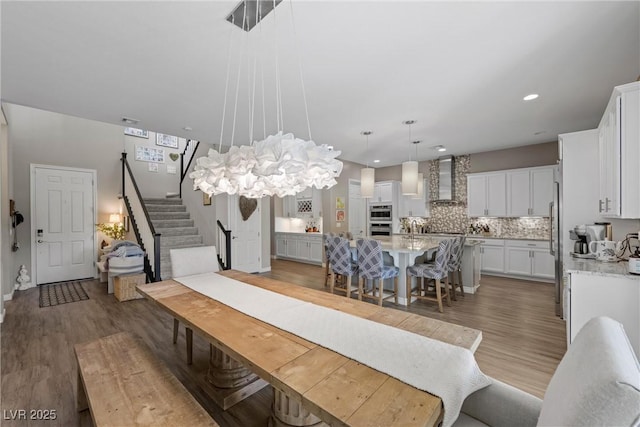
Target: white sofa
[(597, 383)]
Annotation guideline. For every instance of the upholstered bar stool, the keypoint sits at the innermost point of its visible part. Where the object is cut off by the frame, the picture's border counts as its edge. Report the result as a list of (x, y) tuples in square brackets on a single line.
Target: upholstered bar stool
[(371, 267), (436, 271), (455, 265), (341, 263)]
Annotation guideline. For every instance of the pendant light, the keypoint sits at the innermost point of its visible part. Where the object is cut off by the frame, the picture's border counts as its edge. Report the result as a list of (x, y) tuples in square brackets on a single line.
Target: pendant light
[(420, 191), (367, 175), (409, 171)]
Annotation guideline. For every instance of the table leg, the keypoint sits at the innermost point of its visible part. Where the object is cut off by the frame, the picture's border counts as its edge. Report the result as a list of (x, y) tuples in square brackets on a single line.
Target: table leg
[(226, 372), (229, 381), (287, 412)]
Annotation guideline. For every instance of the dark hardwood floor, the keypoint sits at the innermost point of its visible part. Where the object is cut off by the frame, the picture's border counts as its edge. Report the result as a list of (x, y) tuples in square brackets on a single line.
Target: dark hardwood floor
[(522, 343)]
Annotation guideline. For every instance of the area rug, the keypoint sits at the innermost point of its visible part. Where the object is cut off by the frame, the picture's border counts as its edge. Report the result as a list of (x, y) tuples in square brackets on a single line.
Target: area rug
[(62, 293)]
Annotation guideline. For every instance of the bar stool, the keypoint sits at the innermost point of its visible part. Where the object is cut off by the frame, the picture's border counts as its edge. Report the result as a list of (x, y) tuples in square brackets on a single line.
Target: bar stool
[(341, 263), (436, 271), (455, 265), (371, 267)]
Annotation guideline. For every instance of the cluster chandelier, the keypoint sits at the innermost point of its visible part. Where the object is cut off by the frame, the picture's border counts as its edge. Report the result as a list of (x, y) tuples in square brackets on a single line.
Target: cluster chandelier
[(278, 165)]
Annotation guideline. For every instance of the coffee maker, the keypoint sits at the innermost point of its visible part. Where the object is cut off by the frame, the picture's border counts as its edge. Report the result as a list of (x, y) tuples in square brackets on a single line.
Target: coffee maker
[(583, 235)]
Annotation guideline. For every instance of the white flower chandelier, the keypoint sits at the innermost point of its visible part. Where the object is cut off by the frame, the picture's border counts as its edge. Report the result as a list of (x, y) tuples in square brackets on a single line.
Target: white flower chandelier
[(279, 165)]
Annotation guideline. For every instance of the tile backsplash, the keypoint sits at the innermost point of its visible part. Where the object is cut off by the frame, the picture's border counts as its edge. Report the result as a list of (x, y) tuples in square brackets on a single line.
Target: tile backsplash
[(451, 217)]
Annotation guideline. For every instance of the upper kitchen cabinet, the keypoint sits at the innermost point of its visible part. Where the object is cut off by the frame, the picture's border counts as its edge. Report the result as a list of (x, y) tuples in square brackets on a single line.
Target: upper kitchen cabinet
[(486, 194), (384, 192), (306, 204), (619, 153), (529, 191)]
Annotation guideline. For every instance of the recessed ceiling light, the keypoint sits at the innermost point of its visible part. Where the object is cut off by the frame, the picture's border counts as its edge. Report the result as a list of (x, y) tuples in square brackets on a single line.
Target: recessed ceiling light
[(530, 97), (376, 161), (440, 148), (187, 128), (130, 121), (540, 132)]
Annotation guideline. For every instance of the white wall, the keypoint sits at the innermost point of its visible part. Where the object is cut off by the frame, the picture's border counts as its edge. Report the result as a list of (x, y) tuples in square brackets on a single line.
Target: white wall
[(42, 137), (154, 184)]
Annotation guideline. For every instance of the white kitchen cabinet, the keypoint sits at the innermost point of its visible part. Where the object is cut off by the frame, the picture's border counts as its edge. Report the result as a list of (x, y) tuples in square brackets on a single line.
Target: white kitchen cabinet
[(592, 295), (383, 192), (492, 256), (415, 207), (543, 264), (300, 247), (306, 204), (292, 247), (529, 191), (486, 194), (281, 246), (619, 154), (531, 259)]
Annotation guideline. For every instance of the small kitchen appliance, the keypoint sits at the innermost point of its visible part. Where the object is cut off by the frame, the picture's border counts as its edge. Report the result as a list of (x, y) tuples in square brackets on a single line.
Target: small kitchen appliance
[(583, 235)]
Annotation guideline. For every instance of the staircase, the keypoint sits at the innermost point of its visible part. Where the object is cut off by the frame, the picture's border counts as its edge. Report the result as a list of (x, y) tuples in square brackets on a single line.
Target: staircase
[(171, 219)]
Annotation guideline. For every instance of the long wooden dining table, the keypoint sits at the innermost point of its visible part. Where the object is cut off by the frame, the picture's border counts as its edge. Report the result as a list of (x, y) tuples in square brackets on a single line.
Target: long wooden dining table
[(312, 383)]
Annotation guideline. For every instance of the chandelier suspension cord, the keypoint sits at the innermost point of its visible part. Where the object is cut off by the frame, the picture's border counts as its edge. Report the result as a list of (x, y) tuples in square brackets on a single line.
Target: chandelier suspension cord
[(226, 85), (252, 101), (235, 107), (279, 112), (304, 92), (410, 140), (367, 153), (264, 110)]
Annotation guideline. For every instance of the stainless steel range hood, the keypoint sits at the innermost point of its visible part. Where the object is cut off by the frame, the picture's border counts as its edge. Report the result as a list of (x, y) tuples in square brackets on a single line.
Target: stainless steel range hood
[(446, 182)]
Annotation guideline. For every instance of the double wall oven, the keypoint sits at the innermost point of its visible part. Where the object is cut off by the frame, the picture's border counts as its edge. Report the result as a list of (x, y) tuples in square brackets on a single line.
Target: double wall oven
[(380, 220)]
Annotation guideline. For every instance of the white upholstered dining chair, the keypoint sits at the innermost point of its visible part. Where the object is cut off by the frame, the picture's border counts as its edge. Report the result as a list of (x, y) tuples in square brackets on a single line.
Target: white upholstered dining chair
[(188, 262)]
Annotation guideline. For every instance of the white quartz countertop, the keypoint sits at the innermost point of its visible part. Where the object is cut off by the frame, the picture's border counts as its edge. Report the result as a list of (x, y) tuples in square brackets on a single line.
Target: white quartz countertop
[(310, 233), (483, 237), (598, 268)]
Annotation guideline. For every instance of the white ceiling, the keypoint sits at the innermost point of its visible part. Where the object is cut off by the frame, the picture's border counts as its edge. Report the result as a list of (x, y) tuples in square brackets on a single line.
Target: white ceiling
[(459, 68)]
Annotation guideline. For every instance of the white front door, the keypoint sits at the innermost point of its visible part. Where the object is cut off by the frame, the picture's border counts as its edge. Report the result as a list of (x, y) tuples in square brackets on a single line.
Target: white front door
[(63, 215), (246, 243), (357, 210)]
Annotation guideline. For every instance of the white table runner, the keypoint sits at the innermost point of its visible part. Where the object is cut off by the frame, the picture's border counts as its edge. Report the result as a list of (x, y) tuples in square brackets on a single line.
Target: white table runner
[(444, 370)]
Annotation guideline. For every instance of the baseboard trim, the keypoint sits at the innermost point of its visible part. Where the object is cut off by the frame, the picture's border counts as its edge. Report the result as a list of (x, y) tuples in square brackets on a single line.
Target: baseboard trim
[(9, 297)]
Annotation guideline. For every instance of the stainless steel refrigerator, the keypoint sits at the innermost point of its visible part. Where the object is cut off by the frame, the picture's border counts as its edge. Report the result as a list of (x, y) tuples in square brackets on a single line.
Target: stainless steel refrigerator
[(555, 240)]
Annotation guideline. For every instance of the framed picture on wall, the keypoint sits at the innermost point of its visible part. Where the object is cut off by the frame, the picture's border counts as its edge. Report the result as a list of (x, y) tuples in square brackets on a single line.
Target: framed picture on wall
[(140, 133), (147, 154), (166, 140)]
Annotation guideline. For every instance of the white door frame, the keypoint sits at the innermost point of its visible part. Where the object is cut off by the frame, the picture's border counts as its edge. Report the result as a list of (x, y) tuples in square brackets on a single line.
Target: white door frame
[(32, 210)]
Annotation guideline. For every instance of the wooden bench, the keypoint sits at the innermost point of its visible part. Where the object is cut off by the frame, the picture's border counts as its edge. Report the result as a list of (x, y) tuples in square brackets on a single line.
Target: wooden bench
[(123, 383)]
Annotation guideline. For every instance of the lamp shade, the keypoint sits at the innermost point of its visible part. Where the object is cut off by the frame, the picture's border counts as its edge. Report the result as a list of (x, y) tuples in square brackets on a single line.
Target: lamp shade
[(410, 178), (420, 187), (367, 182), (115, 218)]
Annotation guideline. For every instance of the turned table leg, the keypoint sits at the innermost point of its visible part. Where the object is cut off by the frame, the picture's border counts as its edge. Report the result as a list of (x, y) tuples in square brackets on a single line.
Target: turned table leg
[(287, 412), (226, 372), (228, 381)]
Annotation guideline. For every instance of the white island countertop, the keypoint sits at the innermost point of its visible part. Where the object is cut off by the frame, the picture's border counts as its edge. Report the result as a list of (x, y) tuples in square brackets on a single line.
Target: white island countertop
[(598, 268), (420, 243)]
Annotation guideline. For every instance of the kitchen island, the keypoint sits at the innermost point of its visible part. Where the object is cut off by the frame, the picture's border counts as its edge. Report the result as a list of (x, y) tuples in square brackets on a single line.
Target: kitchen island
[(405, 250)]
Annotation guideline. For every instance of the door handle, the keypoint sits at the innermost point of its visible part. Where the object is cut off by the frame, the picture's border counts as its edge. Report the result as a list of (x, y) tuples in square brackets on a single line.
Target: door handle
[(551, 248), (233, 237)]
